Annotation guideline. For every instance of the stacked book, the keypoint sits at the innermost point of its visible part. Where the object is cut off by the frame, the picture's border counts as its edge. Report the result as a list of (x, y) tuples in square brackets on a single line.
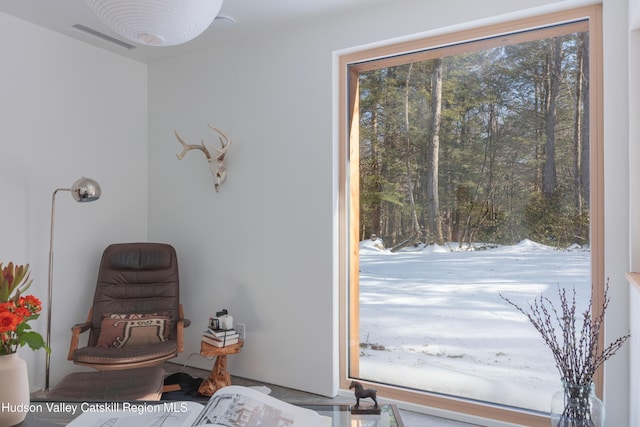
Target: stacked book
[(220, 337)]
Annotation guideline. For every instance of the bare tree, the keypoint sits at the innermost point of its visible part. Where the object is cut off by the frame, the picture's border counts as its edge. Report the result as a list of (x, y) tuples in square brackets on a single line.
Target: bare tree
[(435, 223), (549, 178), (577, 129), (584, 154)]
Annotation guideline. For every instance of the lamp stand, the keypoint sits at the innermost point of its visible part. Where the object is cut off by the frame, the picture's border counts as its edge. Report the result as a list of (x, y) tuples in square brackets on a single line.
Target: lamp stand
[(83, 190), (50, 288)]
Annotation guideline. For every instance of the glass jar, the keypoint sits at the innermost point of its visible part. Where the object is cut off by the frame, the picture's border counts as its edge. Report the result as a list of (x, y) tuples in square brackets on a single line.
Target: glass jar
[(576, 405)]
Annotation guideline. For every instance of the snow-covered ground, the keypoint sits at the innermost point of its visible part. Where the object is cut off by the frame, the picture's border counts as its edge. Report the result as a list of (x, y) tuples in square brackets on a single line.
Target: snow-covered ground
[(431, 318)]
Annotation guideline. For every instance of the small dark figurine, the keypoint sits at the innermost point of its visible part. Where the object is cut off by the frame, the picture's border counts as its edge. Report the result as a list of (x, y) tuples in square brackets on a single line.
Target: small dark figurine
[(363, 393)]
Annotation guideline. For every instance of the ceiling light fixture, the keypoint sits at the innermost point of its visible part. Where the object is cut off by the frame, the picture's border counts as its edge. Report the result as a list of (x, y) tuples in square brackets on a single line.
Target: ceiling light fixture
[(157, 22)]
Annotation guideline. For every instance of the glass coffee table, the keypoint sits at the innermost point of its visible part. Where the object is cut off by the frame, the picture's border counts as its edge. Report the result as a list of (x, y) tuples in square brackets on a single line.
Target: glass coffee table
[(341, 416), (44, 416)]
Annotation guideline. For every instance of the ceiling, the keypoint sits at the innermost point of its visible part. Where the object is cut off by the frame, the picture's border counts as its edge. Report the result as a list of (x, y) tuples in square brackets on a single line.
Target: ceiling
[(250, 16)]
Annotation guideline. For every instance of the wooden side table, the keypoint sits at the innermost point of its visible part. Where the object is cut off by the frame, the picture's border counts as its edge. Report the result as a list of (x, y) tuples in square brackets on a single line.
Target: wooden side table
[(219, 376)]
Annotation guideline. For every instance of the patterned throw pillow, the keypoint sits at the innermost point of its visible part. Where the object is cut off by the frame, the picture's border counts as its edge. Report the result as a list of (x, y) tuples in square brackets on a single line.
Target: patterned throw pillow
[(132, 330)]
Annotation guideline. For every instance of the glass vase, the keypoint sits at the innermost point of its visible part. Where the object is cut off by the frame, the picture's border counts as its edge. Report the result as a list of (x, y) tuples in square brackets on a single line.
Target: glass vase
[(576, 405)]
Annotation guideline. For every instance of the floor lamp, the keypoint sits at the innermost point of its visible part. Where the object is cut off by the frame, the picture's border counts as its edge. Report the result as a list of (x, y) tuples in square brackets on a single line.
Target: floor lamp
[(83, 190)]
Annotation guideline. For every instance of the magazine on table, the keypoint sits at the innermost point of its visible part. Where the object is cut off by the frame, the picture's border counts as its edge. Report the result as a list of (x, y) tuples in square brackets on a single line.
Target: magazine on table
[(232, 406)]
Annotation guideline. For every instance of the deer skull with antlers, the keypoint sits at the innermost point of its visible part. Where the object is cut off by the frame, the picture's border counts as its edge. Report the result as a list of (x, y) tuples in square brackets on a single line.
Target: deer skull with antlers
[(216, 163)]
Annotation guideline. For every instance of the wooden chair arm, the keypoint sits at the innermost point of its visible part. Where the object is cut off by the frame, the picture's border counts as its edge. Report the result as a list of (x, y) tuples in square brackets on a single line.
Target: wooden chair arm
[(180, 325), (76, 330)]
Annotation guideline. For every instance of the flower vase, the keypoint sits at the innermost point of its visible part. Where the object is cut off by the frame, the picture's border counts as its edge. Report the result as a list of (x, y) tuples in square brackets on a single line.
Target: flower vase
[(576, 405), (14, 393)]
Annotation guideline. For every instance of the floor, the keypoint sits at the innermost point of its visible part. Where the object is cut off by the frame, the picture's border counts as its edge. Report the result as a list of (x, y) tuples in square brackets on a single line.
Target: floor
[(409, 418)]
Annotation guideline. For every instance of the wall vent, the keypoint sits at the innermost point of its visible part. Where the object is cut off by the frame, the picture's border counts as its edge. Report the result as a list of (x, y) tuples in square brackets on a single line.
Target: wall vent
[(102, 36)]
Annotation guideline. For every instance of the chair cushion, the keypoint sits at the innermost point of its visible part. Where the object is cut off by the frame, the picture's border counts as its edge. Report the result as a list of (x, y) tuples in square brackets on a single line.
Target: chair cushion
[(125, 355), (126, 385), (126, 330), (139, 257)]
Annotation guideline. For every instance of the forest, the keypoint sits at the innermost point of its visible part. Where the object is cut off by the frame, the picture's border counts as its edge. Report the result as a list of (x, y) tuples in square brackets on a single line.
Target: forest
[(488, 145)]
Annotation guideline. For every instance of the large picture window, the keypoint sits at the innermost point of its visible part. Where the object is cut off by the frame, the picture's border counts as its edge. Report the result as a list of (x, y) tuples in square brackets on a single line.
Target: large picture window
[(470, 171)]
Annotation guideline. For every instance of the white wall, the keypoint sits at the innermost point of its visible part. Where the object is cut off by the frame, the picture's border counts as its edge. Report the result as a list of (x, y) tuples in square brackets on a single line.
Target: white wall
[(67, 110), (616, 198), (634, 208), (262, 247)]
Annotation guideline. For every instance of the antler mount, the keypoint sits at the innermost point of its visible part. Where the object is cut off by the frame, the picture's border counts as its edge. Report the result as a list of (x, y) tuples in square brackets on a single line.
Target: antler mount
[(216, 163)]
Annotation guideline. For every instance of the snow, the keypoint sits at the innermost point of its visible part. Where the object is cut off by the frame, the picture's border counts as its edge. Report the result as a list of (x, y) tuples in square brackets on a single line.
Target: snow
[(432, 318)]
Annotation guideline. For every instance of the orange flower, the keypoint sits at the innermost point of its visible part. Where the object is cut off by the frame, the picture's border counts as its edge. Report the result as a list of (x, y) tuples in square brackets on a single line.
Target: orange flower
[(22, 312), (33, 303), (8, 321), (7, 306), (16, 309)]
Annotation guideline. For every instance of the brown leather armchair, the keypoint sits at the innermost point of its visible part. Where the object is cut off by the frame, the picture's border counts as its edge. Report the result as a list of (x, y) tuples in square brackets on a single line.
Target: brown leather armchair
[(136, 319)]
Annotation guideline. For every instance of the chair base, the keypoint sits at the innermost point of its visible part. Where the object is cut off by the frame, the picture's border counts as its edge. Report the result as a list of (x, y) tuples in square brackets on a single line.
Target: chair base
[(119, 386)]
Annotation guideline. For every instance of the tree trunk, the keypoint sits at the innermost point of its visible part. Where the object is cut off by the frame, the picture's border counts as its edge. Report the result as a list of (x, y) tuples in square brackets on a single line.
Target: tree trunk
[(549, 178), (585, 125), (376, 206), (577, 132), (435, 226), (417, 230)]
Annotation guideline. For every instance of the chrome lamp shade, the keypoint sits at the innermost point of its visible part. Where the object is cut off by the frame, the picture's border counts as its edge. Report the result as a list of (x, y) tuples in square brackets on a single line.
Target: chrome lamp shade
[(157, 22), (85, 190)]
